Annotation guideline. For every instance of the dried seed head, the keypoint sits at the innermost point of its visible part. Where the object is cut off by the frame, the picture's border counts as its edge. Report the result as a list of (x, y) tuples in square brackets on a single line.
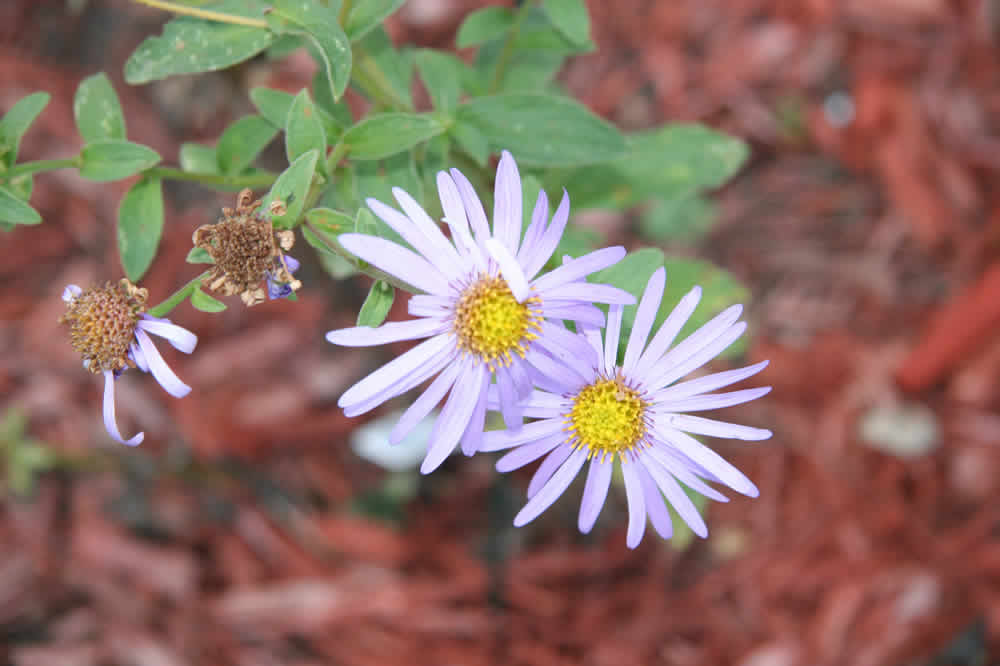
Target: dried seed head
[(246, 250), (102, 324)]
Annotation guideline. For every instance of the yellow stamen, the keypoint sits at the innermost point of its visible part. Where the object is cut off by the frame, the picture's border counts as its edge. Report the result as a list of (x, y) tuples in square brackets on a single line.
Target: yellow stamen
[(102, 324), (491, 324), (607, 418)]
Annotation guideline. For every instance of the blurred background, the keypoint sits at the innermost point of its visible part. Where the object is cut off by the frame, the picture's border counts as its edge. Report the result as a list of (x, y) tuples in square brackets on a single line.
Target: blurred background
[(248, 530)]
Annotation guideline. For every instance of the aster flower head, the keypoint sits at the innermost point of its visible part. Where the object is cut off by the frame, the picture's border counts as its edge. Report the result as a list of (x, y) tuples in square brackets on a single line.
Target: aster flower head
[(247, 251), (485, 311), (110, 329), (635, 412)]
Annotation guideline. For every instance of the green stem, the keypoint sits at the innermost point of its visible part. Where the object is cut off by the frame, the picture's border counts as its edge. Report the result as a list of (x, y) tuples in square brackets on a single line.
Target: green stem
[(365, 267), (255, 180), (374, 83), (177, 297), (42, 165), (337, 154), (508, 47), (345, 11), (208, 14)]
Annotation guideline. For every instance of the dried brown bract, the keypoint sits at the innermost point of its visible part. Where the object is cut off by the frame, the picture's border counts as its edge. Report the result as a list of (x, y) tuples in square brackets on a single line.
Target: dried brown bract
[(247, 251)]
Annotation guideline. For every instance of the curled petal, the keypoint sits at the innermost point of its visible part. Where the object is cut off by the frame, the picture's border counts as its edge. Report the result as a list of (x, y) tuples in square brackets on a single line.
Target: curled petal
[(159, 368), (109, 413), (179, 337)]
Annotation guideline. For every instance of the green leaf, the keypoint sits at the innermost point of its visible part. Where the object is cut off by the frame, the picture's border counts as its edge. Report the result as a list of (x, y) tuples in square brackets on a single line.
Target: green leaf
[(328, 224), (274, 106), (17, 121), (472, 141), (320, 25), (199, 255), (114, 159), (569, 17), (669, 162), (442, 76), (484, 25), (202, 301), (197, 158), (338, 111), (384, 134), (683, 219), (376, 180), (380, 59), (189, 45), (330, 221), (376, 306), (140, 225), (15, 211), (291, 188), (367, 15), (241, 142), (542, 130), (303, 128), (97, 110)]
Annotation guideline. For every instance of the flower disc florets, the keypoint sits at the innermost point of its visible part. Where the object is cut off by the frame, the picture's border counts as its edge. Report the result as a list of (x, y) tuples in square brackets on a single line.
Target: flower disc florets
[(102, 324), (490, 323), (607, 418), (246, 251)]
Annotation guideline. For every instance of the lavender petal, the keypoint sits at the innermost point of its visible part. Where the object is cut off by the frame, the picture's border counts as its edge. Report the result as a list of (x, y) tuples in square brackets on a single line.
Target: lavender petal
[(507, 203), (551, 491), (473, 208), (707, 383), (394, 331), (713, 428), (472, 438), (179, 338), (170, 382), (636, 503), (452, 422), (382, 382), (109, 413), (510, 269), (424, 404), (498, 440), (700, 403), (577, 269), (670, 328), (611, 336), (529, 453), (548, 467), (70, 292), (534, 233), (397, 261), (595, 492), (581, 313), (655, 506), (539, 254), (710, 460), (645, 315)]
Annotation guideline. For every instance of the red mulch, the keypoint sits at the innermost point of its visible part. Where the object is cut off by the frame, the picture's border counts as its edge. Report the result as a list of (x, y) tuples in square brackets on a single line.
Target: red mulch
[(242, 531)]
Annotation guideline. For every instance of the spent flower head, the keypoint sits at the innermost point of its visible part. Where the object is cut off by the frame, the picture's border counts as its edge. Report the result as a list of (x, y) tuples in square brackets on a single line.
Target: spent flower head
[(109, 327), (635, 413), (485, 310), (248, 251)]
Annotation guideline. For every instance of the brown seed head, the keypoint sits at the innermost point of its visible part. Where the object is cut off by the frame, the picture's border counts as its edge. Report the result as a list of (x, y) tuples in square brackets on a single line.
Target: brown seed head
[(102, 323)]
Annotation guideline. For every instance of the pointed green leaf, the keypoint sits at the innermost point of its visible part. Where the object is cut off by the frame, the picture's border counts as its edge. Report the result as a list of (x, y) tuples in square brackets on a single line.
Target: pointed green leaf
[(368, 14), (15, 211), (16, 122), (377, 305), (291, 188), (542, 130), (569, 17), (197, 158), (202, 301), (330, 221), (303, 128), (472, 142), (320, 25), (189, 45), (97, 110), (199, 255), (274, 105), (140, 225), (114, 159), (242, 141), (442, 76), (385, 134), (484, 25), (381, 59)]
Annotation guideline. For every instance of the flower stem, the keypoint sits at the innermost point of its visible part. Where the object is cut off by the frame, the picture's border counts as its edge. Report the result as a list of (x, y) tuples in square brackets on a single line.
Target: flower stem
[(345, 11), (208, 14), (177, 297), (508, 47), (366, 268), (255, 180), (26, 168)]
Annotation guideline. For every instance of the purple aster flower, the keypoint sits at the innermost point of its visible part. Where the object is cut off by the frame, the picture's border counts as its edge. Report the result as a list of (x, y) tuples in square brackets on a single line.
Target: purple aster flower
[(635, 412), (485, 311), (109, 327)]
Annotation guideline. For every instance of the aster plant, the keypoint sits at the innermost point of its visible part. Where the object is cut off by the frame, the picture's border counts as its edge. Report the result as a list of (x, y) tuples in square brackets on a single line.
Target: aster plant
[(633, 410), (485, 309), (506, 308)]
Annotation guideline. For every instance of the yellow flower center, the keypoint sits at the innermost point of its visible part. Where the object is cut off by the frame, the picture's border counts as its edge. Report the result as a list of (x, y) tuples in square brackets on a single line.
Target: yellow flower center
[(607, 418), (102, 323), (490, 323)]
